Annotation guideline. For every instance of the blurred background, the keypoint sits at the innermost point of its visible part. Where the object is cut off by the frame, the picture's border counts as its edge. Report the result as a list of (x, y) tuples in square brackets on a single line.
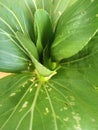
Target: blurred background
[(2, 74)]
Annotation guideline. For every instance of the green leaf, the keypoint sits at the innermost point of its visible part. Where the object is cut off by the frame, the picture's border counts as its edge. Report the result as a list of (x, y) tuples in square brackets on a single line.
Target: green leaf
[(29, 47), (75, 29), (43, 29), (54, 7), (13, 17), (68, 101), (22, 22), (12, 58)]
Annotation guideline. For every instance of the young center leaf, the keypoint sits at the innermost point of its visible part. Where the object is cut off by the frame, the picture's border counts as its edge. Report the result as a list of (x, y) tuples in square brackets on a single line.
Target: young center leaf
[(54, 7), (40, 100), (30, 48), (43, 29), (75, 28), (67, 101)]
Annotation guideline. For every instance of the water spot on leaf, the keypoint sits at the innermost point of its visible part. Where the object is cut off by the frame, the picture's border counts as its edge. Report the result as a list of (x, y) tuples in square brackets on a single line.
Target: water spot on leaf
[(73, 112), (36, 85), (49, 89), (12, 94), (52, 1), (72, 103), (66, 119), (96, 88), (32, 80), (93, 120), (59, 12), (0, 105), (92, 0), (63, 108), (29, 65), (46, 111), (77, 119), (24, 106), (24, 85), (96, 15), (31, 89)]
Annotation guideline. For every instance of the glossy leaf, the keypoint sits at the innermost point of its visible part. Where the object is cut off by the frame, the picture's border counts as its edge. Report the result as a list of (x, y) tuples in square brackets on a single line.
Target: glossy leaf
[(43, 29), (26, 42), (19, 17), (30, 48), (65, 101), (12, 59), (54, 7), (75, 29), (13, 17), (68, 101)]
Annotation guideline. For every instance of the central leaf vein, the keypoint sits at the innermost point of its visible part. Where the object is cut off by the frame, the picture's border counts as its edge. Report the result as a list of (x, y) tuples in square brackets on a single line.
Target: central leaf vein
[(52, 108)]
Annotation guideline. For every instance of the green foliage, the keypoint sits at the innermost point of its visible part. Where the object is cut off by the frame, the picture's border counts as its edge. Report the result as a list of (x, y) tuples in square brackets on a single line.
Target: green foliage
[(42, 22), (75, 29), (51, 49)]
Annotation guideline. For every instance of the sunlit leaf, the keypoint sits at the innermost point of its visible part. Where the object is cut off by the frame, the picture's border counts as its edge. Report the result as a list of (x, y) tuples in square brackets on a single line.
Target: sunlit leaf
[(12, 59), (63, 99), (75, 29), (43, 35), (13, 18)]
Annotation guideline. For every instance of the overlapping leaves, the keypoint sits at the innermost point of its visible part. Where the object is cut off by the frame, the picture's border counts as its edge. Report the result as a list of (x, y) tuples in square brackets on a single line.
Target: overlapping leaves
[(75, 29), (69, 99)]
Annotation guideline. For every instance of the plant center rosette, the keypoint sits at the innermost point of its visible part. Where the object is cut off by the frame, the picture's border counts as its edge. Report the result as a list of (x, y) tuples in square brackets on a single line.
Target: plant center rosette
[(51, 49)]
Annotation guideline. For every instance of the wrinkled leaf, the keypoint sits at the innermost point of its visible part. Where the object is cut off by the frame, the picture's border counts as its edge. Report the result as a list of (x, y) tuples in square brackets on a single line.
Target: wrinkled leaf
[(76, 27)]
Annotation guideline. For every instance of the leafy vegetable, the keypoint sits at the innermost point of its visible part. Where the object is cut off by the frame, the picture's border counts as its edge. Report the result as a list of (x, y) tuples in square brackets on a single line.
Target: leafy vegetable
[(12, 59), (52, 48), (75, 29), (32, 52), (44, 36)]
